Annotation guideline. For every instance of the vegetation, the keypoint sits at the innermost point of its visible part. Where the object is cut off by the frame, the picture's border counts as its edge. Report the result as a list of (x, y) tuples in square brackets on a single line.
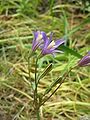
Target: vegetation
[(66, 19)]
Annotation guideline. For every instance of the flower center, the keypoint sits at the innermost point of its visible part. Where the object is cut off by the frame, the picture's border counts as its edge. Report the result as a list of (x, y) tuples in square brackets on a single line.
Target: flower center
[(52, 44)]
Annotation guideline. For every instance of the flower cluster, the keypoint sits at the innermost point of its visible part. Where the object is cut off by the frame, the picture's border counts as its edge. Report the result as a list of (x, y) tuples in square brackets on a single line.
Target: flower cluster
[(47, 45)]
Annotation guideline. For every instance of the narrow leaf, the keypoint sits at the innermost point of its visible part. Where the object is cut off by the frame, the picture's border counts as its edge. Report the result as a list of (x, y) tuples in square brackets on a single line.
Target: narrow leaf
[(53, 85), (46, 71), (71, 51)]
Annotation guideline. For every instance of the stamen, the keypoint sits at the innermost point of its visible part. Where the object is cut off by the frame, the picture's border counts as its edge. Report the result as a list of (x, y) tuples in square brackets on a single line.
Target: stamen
[(52, 44)]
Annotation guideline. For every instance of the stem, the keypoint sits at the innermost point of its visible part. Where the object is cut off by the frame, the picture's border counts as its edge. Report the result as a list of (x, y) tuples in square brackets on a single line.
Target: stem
[(38, 114), (35, 93), (35, 82), (64, 77)]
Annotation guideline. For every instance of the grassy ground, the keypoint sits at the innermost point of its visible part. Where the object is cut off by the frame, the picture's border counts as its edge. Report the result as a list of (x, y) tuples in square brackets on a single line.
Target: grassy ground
[(17, 21)]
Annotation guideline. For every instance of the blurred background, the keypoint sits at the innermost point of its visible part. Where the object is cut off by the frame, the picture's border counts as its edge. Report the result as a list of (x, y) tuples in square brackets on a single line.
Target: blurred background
[(68, 19)]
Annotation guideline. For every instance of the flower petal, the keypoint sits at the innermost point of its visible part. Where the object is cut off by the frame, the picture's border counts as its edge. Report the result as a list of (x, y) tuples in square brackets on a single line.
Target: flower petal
[(59, 42), (38, 39), (46, 43), (34, 43), (85, 61), (47, 51), (35, 36), (50, 46), (44, 35)]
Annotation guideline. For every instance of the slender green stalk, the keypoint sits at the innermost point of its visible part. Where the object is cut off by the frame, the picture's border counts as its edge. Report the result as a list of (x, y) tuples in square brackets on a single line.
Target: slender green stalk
[(35, 82), (38, 114), (36, 104), (36, 107)]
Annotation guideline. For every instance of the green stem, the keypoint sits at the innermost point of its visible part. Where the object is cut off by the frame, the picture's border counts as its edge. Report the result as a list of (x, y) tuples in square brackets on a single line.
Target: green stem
[(36, 104), (35, 93), (35, 82), (36, 101), (38, 114)]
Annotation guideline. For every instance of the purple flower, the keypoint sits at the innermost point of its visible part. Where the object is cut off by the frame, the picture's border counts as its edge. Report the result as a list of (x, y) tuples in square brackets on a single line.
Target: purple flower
[(50, 47), (85, 61), (38, 39)]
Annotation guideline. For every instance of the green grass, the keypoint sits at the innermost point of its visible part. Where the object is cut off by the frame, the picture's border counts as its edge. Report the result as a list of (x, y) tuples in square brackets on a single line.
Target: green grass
[(72, 100)]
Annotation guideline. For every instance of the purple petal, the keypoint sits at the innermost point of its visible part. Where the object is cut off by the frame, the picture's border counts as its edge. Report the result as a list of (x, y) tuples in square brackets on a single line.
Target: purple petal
[(47, 40), (35, 35), (85, 61), (36, 43), (44, 35), (50, 46), (46, 51), (59, 42), (46, 43), (88, 53)]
